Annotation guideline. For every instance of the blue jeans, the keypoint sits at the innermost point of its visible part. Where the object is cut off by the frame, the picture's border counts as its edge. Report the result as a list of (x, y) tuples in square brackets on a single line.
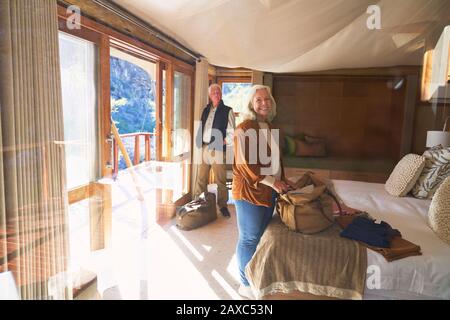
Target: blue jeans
[(252, 220)]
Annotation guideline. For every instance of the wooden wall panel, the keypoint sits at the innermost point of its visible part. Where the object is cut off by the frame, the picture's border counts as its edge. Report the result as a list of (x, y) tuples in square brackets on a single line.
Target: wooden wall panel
[(359, 116), (396, 123)]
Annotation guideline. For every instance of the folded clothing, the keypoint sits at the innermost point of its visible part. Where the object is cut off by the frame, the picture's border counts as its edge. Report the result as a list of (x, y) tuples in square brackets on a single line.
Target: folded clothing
[(400, 248), (368, 231)]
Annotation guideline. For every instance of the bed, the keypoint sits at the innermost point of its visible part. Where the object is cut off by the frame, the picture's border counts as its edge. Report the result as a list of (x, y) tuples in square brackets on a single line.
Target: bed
[(418, 277)]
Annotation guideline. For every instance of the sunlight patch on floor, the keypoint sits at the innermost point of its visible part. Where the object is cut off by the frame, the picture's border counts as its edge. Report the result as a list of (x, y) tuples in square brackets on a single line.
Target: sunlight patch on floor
[(206, 248), (147, 260), (186, 243), (233, 270), (175, 275), (226, 286)]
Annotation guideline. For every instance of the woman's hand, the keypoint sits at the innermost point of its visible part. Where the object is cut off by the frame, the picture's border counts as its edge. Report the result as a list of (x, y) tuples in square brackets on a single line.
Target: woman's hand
[(291, 184), (281, 186)]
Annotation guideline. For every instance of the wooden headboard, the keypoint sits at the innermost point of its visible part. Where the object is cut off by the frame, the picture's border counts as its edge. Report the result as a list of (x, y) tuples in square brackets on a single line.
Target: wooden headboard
[(360, 116)]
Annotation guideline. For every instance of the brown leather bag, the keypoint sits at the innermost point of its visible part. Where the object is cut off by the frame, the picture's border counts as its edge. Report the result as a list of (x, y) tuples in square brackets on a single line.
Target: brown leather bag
[(198, 212), (308, 212)]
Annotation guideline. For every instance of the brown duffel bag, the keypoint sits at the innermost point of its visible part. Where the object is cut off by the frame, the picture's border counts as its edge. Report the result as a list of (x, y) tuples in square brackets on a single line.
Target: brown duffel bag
[(308, 211), (198, 212)]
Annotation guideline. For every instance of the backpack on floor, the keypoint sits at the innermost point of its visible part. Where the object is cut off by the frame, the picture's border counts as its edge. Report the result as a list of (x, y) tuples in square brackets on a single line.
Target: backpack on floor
[(198, 212)]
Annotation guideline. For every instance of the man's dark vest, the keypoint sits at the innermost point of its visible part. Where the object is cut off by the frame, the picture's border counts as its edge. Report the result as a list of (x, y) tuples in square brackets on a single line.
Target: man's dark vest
[(220, 122)]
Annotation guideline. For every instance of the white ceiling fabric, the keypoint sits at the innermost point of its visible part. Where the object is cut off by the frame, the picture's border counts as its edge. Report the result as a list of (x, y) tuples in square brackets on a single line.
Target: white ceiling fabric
[(297, 35)]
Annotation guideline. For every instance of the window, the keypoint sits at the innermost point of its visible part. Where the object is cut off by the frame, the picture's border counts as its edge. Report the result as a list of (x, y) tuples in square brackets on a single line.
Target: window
[(133, 105), (154, 104), (78, 63), (436, 70), (181, 127), (78, 58), (181, 111), (234, 95)]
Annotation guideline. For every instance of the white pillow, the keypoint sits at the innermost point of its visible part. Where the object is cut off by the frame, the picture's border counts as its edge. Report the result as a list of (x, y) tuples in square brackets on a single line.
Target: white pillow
[(405, 175), (437, 168), (439, 212)]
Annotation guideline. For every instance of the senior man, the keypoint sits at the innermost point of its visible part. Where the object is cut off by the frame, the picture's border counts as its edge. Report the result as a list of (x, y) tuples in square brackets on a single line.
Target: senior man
[(218, 121)]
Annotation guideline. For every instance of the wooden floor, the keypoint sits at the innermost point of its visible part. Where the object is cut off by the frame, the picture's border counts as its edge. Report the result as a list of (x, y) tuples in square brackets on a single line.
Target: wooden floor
[(25, 250), (150, 260), (146, 259)]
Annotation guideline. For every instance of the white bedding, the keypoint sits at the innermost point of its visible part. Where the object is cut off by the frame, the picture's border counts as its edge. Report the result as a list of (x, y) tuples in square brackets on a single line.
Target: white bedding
[(425, 276)]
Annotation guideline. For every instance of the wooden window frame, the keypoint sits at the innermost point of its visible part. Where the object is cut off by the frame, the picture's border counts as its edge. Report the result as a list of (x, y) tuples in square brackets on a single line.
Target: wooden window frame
[(191, 74), (105, 37), (103, 83), (100, 217), (87, 23), (222, 79)]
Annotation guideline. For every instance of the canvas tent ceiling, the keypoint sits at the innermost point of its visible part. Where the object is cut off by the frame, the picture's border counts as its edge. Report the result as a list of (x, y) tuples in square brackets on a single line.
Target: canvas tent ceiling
[(297, 35)]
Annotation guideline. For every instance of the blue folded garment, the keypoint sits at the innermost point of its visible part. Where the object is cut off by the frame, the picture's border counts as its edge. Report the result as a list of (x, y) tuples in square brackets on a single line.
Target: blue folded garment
[(371, 233)]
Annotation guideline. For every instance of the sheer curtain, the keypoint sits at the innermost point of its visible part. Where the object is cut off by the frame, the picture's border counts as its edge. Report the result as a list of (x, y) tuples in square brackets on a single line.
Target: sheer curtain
[(181, 136), (33, 198), (200, 101), (182, 101)]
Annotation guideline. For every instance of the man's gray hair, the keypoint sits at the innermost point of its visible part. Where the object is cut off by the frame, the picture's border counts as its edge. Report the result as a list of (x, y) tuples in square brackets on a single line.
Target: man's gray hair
[(249, 112), (214, 85)]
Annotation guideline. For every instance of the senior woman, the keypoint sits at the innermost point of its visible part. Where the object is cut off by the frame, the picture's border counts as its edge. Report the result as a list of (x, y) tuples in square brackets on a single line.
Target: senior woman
[(256, 179)]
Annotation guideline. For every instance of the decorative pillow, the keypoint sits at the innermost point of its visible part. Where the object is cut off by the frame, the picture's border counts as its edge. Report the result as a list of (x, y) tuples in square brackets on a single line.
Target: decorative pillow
[(439, 212), (311, 139), (290, 146), (305, 149), (405, 175), (300, 136), (437, 168)]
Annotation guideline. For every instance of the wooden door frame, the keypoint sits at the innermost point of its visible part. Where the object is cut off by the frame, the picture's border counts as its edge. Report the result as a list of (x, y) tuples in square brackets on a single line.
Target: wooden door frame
[(221, 79), (103, 36), (100, 215), (189, 155), (160, 67)]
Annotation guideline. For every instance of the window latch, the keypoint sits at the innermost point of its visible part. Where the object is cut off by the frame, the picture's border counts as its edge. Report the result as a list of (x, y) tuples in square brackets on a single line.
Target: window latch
[(109, 138)]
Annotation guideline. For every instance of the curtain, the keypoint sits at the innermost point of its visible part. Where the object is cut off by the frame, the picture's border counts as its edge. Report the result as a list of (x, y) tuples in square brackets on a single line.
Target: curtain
[(33, 198), (181, 137), (200, 101), (3, 248), (182, 101)]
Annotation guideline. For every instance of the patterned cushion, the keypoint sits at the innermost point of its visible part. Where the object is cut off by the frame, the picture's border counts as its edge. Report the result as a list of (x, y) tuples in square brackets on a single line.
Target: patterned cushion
[(405, 175), (437, 168), (439, 212)]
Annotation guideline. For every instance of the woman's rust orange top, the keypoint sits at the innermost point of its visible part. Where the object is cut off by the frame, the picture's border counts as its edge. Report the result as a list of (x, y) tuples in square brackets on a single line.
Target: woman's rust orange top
[(247, 174)]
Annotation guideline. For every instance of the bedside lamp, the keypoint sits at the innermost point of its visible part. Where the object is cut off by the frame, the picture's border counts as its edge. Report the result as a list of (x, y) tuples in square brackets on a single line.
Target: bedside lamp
[(435, 138)]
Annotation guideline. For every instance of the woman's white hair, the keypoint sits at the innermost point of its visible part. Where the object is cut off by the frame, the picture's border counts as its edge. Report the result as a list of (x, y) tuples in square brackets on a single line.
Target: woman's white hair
[(249, 111)]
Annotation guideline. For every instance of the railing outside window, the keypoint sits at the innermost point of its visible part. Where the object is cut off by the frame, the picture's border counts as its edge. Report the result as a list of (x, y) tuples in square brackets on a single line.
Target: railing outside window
[(147, 136)]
